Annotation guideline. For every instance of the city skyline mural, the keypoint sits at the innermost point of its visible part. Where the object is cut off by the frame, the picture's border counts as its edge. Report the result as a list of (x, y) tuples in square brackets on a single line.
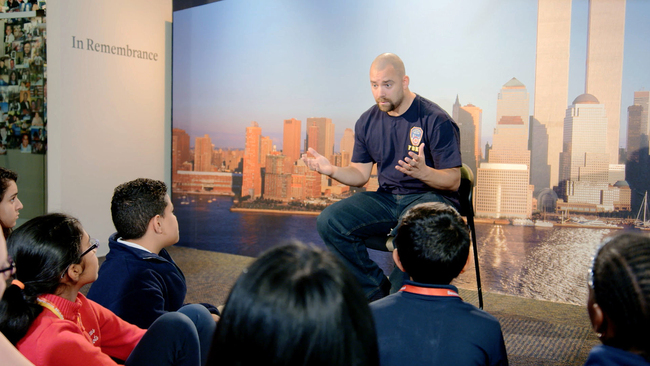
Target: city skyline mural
[(542, 94)]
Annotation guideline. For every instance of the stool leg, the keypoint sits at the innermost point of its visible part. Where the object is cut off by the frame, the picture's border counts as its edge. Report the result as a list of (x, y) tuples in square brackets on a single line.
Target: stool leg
[(472, 229)]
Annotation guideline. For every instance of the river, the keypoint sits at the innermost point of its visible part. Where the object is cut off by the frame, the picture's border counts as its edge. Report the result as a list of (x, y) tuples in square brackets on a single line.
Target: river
[(539, 263)]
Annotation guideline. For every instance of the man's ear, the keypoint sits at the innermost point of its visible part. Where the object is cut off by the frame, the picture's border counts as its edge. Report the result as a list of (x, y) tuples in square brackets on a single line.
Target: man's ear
[(405, 82), (398, 261)]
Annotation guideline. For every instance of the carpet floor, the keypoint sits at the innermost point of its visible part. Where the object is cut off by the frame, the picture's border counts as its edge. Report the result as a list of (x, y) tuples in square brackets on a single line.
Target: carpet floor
[(536, 332)]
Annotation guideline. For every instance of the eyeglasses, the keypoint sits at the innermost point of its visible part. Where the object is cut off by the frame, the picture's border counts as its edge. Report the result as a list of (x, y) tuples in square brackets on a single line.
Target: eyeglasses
[(10, 268), (94, 244)]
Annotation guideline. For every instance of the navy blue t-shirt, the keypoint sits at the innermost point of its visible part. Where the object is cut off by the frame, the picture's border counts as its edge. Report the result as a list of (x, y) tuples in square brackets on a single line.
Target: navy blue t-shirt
[(383, 139)]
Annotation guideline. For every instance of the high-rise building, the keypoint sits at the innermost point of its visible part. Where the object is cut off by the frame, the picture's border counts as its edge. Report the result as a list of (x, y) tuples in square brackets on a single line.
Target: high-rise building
[(638, 125), (642, 98), (584, 157), (634, 132), (266, 147), (252, 175), (324, 141), (180, 148), (503, 183), (469, 118), (605, 64), (513, 102), (203, 154), (347, 146), (277, 183), (510, 139), (551, 91), (291, 139), (584, 163), (504, 191), (312, 138)]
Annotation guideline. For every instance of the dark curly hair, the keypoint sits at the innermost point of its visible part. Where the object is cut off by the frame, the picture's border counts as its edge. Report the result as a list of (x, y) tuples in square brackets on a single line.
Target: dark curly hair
[(135, 203)]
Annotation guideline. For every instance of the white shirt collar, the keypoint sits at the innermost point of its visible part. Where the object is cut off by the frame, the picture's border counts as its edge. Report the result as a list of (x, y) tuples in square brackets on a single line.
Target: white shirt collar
[(133, 245)]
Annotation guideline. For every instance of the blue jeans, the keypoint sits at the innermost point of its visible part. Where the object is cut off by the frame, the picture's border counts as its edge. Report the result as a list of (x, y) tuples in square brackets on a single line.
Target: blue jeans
[(345, 225), (177, 338)]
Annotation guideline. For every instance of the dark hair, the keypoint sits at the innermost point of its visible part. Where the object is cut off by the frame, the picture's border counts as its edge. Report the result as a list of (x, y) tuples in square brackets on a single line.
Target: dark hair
[(621, 287), (135, 203), (6, 176), (42, 249), (433, 243), (295, 305)]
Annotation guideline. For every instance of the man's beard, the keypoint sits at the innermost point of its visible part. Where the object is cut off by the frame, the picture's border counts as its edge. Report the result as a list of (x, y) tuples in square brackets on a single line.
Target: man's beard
[(391, 105)]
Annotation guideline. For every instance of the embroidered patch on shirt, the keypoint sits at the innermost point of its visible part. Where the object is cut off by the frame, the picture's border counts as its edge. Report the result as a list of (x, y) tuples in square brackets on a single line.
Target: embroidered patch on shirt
[(416, 136)]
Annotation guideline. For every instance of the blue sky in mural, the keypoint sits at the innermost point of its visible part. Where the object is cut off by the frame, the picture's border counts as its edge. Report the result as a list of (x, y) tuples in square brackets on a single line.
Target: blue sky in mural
[(266, 61)]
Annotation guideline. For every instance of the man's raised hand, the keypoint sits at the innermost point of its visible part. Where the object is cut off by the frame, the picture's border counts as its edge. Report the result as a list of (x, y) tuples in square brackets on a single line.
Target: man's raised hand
[(318, 163)]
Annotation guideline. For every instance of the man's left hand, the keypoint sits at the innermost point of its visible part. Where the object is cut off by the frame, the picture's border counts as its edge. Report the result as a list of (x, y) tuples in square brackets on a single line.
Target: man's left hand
[(414, 165)]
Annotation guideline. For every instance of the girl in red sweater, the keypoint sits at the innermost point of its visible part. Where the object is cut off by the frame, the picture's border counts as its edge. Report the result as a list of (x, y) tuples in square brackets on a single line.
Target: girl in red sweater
[(51, 323)]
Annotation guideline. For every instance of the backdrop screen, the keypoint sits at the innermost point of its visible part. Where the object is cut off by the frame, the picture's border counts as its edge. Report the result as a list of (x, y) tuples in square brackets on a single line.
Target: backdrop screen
[(256, 83)]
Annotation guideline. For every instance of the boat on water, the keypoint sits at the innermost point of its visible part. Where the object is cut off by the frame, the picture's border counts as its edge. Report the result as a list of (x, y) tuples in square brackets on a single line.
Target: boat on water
[(643, 223), (543, 223), (523, 222)]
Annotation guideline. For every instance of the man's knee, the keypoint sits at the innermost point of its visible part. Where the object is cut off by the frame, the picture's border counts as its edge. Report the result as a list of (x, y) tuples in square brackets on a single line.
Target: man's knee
[(323, 222)]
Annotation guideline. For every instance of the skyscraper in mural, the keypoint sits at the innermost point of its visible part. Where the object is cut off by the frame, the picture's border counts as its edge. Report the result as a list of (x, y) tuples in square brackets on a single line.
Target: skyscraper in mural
[(277, 182), (510, 139), (469, 118), (203, 154), (638, 125), (266, 147), (324, 141), (503, 183), (347, 146), (291, 139), (252, 174), (584, 165), (180, 148), (605, 64), (551, 90)]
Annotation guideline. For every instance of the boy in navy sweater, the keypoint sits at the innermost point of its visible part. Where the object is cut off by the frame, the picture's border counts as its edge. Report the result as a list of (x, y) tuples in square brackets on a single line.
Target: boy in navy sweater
[(139, 281), (426, 322)]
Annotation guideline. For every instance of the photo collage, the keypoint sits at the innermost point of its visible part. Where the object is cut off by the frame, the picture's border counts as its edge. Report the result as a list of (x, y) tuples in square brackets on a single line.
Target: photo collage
[(23, 82)]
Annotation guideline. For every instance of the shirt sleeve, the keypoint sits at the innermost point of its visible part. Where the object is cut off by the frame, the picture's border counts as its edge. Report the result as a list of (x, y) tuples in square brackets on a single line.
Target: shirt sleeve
[(145, 300), (118, 338), (72, 348), (360, 152), (445, 145)]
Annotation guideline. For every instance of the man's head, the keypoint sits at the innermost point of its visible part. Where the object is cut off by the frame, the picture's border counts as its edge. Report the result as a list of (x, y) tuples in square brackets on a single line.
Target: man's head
[(388, 81), (432, 243), (141, 205)]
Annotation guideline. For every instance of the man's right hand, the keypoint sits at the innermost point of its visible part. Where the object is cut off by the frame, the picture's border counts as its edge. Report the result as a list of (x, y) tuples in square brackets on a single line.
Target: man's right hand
[(318, 163)]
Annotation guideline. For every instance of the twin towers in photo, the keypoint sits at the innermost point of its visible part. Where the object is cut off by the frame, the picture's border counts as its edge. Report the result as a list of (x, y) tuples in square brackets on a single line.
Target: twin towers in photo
[(558, 158)]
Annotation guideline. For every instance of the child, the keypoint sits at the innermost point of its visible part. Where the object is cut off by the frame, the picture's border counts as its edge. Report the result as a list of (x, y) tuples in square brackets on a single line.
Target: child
[(426, 322), (619, 301), (51, 323)]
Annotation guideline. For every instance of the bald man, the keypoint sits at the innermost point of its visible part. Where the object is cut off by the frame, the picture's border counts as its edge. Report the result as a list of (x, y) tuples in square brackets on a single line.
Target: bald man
[(416, 147)]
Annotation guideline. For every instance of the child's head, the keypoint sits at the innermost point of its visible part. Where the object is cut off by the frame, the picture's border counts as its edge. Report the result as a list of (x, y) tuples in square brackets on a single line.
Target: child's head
[(619, 293), (296, 305), (432, 243), (44, 249)]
